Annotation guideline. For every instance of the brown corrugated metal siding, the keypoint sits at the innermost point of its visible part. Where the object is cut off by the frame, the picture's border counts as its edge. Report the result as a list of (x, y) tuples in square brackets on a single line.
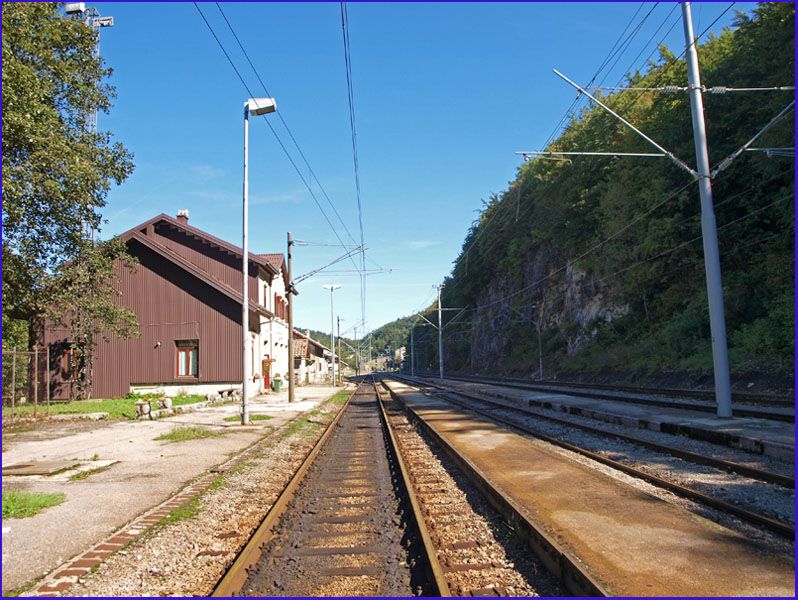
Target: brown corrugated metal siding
[(171, 304)]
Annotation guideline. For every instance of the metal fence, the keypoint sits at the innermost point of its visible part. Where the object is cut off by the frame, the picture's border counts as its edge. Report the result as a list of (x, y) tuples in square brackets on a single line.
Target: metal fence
[(26, 381)]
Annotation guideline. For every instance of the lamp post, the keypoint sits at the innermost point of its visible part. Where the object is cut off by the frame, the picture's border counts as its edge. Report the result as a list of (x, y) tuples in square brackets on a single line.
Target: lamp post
[(332, 287), (254, 107)]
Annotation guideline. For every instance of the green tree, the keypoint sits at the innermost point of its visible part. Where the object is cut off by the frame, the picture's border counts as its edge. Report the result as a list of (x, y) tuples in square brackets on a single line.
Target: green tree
[(57, 171), (631, 228)]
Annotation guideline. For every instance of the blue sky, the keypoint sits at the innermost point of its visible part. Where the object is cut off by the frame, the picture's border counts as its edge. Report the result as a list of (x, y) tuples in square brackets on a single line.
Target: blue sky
[(444, 95)]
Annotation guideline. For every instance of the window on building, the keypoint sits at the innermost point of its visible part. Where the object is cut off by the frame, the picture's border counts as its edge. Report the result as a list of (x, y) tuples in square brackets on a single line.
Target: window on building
[(187, 358)]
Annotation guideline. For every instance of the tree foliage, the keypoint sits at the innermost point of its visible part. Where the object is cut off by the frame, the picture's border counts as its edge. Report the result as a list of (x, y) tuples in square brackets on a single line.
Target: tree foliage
[(57, 171), (632, 226)]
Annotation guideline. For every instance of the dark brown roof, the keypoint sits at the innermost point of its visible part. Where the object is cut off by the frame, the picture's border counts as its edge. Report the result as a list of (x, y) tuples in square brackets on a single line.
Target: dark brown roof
[(191, 268), (258, 259), (298, 335), (276, 260)]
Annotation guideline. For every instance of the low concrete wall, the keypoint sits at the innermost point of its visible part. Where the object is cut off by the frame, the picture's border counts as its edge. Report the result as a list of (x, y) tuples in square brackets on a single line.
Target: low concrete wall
[(202, 389)]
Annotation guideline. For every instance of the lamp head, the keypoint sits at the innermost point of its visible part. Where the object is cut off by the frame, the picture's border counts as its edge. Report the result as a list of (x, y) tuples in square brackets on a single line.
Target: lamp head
[(74, 8), (260, 106)]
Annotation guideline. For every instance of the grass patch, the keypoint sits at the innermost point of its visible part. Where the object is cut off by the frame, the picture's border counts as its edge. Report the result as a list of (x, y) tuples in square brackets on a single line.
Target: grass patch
[(183, 434), (117, 408), (183, 399), (188, 510), (18, 505), (340, 397), (80, 475), (303, 426), (23, 588), (251, 418)]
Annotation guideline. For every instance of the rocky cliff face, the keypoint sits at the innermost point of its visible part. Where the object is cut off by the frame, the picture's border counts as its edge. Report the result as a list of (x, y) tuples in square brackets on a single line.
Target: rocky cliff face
[(566, 303)]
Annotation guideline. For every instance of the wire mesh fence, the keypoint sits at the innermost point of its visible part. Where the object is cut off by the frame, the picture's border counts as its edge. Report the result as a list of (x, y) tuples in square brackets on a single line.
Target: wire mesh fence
[(27, 381)]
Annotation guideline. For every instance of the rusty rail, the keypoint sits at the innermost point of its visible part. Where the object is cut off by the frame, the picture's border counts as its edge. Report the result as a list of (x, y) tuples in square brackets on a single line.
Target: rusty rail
[(575, 577), (435, 569), (784, 529), (785, 481), (236, 575)]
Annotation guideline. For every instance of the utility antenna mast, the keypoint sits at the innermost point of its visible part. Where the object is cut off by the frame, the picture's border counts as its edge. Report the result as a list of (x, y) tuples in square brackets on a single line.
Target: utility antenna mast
[(91, 17)]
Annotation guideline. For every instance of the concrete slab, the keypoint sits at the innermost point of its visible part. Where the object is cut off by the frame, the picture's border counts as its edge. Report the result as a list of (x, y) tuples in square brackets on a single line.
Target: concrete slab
[(634, 543), (760, 436), (43, 467), (147, 473)]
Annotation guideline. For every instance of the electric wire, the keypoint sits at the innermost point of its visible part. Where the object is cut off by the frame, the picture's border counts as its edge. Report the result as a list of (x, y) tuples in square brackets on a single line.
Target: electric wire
[(615, 51), (355, 160), (282, 120), (268, 123), (634, 101), (696, 238)]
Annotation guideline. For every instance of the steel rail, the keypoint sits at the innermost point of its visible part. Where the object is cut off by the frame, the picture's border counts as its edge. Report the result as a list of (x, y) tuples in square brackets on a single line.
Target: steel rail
[(779, 527), (785, 481), (236, 575), (573, 574), (749, 397), (435, 571), (739, 412)]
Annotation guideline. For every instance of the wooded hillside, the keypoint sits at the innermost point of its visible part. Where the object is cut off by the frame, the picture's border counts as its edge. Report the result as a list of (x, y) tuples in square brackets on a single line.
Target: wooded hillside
[(605, 253)]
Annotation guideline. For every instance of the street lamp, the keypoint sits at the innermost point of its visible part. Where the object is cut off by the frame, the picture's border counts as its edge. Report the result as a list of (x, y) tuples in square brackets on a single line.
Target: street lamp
[(255, 107), (332, 287)]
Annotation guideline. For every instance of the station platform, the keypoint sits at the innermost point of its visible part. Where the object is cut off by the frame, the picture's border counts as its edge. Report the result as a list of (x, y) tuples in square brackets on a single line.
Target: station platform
[(758, 436), (632, 543)]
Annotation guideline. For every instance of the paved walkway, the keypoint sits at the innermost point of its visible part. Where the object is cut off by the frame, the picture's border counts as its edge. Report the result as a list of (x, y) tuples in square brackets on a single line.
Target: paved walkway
[(143, 473)]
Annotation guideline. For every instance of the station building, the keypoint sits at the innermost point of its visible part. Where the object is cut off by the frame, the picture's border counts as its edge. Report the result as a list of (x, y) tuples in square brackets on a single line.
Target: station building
[(186, 291)]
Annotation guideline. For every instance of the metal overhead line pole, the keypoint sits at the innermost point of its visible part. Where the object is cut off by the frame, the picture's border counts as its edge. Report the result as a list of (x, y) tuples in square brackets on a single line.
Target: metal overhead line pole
[(332, 287), (339, 349), (717, 321), (709, 234), (412, 352), (440, 335), (245, 371), (290, 321)]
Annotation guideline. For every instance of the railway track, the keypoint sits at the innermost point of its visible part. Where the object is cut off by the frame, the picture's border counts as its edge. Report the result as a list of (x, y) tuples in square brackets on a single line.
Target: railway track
[(376, 509), (478, 553), (488, 408), (781, 411), (744, 397), (341, 527)]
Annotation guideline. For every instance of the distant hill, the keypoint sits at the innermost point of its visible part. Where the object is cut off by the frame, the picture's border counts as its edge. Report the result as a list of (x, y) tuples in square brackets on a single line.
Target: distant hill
[(392, 335)]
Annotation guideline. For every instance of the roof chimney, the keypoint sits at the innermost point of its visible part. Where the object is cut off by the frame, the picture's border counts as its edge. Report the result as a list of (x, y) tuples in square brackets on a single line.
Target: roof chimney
[(182, 215)]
